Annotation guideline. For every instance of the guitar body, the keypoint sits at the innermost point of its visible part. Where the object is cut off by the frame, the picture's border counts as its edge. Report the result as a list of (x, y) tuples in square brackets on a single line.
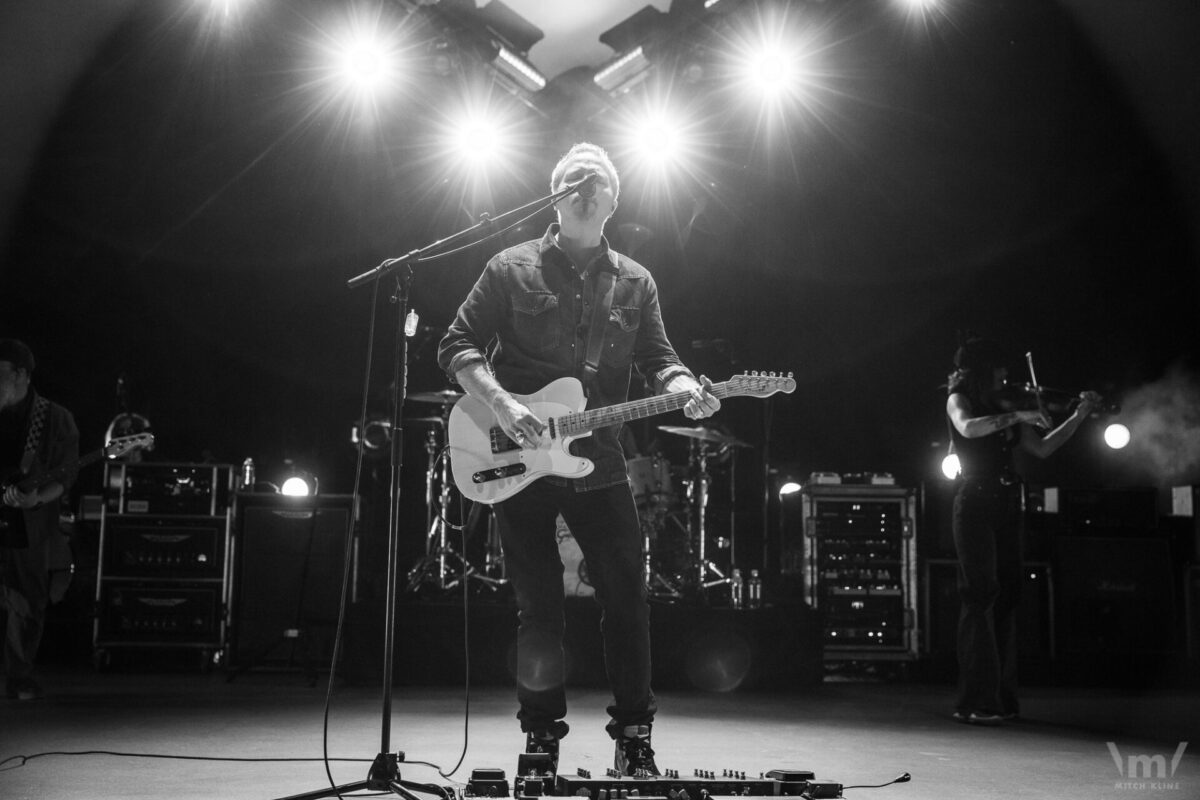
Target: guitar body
[(475, 463)]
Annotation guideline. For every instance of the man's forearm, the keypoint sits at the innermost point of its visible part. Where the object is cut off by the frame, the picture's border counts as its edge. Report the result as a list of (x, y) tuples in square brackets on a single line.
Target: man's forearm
[(479, 382)]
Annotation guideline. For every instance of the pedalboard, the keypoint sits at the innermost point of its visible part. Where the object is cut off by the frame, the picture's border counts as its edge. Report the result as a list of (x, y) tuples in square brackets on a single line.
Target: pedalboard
[(539, 780)]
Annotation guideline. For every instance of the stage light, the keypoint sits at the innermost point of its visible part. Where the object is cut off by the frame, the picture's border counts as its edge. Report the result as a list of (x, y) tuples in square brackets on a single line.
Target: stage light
[(364, 64), (296, 486), (1116, 436), (951, 466), (360, 62), (657, 137), (772, 68), (776, 61), (481, 134), (658, 140), (298, 482), (477, 140)]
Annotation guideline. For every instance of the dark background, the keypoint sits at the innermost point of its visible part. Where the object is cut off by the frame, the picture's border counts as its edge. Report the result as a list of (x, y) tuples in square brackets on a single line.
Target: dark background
[(181, 214)]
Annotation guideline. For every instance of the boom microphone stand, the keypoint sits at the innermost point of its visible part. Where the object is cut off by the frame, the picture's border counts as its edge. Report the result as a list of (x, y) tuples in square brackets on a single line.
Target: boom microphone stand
[(384, 774)]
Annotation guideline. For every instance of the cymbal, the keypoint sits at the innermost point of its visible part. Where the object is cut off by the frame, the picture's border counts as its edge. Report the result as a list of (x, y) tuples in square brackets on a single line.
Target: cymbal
[(446, 397), (704, 434)]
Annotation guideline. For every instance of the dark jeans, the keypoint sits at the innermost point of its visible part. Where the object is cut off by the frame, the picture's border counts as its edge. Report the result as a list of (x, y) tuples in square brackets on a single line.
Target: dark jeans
[(987, 536), (604, 522), (24, 595)]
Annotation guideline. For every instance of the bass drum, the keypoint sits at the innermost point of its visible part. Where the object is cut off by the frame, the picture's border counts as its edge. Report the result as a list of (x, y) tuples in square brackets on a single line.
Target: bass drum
[(650, 479)]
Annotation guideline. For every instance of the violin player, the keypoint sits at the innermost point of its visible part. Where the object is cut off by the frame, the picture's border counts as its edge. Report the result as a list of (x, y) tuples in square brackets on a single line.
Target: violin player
[(988, 517)]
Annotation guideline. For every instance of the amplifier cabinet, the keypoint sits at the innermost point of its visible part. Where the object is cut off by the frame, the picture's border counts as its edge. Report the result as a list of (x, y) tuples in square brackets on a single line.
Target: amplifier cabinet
[(165, 561), (164, 548), (859, 566), (160, 614)]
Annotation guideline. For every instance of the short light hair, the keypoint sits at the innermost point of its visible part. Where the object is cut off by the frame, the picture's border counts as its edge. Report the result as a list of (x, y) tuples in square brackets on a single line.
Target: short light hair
[(598, 153)]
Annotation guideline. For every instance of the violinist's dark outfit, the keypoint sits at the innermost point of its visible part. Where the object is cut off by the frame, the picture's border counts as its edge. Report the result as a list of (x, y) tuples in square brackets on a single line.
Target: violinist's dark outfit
[(987, 526)]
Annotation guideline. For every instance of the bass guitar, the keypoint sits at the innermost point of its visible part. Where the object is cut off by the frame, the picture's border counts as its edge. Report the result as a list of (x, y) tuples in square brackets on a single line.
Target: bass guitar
[(12, 520), (489, 467)]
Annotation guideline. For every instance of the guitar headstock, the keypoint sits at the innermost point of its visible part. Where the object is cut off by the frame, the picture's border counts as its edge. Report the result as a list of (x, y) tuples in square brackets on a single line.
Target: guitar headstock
[(762, 384), (123, 445)]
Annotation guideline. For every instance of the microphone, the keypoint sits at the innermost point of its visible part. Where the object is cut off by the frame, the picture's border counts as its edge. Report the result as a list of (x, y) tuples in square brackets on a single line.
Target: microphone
[(586, 188)]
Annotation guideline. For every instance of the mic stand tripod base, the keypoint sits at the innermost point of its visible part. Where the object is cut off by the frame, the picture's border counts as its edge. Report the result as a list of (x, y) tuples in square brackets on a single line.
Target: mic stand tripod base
[(384, 776)]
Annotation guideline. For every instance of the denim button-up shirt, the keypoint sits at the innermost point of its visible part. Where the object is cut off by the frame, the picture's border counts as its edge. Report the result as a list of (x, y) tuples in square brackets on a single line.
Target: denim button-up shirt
[(528, 318)]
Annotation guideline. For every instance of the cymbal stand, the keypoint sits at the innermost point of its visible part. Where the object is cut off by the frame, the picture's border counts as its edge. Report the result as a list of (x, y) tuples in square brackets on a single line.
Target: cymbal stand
[(698, 494)]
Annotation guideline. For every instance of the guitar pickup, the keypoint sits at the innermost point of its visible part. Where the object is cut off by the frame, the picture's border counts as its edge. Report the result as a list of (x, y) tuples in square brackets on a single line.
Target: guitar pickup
[(507, 471), (500, 442)]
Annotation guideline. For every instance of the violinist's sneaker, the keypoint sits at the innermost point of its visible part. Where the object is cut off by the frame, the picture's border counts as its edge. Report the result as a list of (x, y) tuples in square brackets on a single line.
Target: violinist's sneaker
[(634, 756)]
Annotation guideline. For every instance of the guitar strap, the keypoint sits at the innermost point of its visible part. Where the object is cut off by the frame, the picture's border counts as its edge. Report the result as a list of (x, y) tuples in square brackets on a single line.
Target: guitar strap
[(33, 439), (605, 286)]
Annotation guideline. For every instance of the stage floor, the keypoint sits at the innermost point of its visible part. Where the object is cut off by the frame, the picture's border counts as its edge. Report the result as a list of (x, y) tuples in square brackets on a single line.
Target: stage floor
[(846, 731)]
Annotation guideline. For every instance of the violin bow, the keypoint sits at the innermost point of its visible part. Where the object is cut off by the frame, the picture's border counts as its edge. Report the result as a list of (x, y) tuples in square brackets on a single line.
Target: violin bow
[(1037, 389)]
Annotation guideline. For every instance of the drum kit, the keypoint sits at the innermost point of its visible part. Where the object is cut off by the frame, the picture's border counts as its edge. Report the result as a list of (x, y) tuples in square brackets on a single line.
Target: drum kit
[(672, 504)]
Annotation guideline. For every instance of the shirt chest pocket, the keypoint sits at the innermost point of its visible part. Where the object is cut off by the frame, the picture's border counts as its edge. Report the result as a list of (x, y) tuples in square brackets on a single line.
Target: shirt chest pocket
[(623, 323), (535, 320)]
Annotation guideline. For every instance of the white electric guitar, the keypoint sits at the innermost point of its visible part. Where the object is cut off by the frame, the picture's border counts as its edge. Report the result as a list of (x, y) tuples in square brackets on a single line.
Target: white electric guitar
[(489, 467)]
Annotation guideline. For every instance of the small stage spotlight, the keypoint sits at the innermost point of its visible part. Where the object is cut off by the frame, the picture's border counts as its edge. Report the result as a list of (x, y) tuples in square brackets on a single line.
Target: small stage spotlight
[(951, 466), (1116, 435)]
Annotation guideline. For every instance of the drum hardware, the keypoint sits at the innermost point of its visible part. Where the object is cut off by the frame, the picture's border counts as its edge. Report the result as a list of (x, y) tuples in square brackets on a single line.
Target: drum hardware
[(705, 444), (441, 565), (650, 480)]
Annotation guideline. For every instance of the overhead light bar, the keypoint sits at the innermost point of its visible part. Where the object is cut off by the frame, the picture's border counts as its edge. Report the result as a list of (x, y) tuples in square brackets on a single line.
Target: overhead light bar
[(624, 72), (517, 69)]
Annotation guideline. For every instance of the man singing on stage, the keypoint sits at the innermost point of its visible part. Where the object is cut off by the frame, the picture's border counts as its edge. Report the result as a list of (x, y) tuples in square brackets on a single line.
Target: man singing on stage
[(568, 305)]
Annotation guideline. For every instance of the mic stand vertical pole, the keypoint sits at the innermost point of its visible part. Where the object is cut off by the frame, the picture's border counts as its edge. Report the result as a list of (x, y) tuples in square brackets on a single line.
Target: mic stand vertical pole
[(400, 381), (384, 774)]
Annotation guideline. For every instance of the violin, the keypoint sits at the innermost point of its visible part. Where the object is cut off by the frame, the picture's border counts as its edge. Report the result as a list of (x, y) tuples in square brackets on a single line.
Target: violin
[(1056, 402), (1051, 401)]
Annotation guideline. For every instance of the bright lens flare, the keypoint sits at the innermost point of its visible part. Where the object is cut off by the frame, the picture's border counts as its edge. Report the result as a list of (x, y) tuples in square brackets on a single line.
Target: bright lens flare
[(773, 71), (360, 64), (365, 64), (659, 140), (478, 140), (1116, 436)]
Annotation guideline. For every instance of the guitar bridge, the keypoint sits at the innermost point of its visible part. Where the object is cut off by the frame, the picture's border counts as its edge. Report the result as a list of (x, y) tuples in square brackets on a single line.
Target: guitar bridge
[(495, 474)]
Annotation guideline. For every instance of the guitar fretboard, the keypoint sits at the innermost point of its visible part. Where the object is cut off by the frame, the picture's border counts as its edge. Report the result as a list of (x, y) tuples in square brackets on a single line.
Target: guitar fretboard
[(584, 421)]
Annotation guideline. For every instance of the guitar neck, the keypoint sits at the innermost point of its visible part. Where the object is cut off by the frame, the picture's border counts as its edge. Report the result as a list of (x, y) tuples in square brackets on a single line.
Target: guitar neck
[(29, 484), (585, 421)]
